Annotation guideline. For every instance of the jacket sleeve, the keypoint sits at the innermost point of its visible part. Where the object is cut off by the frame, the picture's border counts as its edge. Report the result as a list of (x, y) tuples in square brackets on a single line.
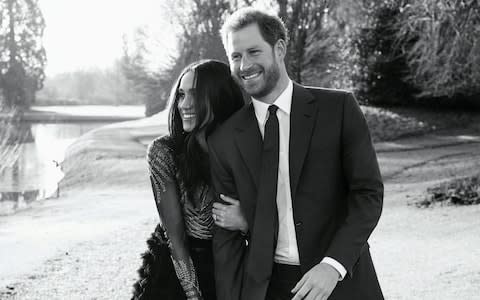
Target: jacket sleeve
[(229, 247), (364, 184), (165, 191)]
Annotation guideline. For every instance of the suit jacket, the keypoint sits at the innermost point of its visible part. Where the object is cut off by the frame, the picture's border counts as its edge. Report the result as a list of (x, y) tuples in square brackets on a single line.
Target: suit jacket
[(336, 187)]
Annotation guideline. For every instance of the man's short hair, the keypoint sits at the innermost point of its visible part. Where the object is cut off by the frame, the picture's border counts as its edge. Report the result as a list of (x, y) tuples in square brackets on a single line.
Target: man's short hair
[(271, 27)]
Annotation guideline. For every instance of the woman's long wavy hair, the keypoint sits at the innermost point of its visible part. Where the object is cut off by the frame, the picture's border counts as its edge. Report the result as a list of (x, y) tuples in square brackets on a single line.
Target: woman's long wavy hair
[(216, 98)]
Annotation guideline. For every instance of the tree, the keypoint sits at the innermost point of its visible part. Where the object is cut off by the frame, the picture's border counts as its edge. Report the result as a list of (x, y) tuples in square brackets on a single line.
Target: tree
[(441, 41), (22, 56), (383, 67), (303, 20), (320, 48), (319, 51), (152, 84), (107, 86), (198, 23)]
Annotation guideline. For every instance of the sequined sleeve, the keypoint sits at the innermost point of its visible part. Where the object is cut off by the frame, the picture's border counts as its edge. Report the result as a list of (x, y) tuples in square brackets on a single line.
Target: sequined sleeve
[(161, 163), (160, 157)]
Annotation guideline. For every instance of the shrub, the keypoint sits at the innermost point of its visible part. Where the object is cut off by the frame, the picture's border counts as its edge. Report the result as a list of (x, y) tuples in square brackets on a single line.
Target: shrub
[(463, 191)]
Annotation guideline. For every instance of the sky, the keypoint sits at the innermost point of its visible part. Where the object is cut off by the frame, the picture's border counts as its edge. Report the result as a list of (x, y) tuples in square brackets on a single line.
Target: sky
[(82, 34)]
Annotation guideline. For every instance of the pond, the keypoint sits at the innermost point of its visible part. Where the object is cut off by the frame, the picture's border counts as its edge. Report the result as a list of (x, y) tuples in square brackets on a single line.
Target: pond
[(31, 156)]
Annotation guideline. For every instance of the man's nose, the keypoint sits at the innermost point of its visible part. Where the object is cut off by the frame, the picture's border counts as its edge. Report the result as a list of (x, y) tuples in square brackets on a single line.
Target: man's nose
[(245, 63)]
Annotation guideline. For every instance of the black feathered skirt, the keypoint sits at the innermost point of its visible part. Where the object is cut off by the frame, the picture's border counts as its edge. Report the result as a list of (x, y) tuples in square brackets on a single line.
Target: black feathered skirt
[(157, 277)]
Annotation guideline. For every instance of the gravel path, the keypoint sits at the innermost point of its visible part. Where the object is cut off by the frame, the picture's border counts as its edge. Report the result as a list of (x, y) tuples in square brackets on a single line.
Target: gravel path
[(428, 253), (103, 268), (419, 253), (87, 246)]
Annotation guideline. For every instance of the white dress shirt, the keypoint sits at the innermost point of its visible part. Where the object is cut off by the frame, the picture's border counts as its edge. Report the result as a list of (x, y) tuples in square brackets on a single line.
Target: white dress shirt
[(286, 251)]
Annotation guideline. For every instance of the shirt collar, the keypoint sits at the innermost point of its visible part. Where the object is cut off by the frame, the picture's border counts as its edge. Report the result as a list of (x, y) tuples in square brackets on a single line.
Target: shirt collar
[(284, 103)]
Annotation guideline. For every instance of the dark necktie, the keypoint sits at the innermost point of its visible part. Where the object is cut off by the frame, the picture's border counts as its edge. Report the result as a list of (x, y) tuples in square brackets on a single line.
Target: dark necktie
[(262, 243)]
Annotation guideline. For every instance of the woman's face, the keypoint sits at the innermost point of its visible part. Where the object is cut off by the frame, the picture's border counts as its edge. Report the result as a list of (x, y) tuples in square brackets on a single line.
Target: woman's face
[(186, 101)]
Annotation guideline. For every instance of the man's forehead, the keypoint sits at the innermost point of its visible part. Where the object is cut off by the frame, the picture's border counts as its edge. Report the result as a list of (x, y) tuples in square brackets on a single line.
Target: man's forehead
[(247, 36)]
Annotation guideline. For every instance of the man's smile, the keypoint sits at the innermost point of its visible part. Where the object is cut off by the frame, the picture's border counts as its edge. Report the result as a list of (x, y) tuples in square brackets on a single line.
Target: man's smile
[(251, 76)]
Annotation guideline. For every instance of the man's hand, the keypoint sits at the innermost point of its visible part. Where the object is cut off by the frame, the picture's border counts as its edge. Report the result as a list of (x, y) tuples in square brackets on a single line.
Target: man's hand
[(317, 284), (229, 216)]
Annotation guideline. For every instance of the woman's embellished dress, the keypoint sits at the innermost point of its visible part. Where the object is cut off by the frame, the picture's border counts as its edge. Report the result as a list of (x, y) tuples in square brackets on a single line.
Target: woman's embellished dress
[(187, 223)]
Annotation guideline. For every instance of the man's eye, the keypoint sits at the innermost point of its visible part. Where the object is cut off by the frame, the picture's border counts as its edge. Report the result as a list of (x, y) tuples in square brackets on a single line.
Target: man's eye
[(181, 95), (235, 57)]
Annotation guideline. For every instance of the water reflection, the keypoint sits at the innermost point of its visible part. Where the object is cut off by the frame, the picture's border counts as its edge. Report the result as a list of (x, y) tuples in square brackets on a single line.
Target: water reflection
[(17, 133), (30, 157)]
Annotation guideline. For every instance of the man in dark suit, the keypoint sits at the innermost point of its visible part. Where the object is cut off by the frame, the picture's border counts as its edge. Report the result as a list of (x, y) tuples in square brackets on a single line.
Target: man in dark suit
[(301, 161)]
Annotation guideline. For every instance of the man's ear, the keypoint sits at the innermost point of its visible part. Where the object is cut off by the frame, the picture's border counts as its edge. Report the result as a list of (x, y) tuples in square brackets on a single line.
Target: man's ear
[(281, 49)]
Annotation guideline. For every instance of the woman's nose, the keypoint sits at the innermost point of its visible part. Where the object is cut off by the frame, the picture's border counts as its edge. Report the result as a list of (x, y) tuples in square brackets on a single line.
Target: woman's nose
[(186, 102)]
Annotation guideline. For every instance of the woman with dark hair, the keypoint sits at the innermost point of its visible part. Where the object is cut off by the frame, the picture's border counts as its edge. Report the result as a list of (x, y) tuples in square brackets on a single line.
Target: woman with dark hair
[(179, 263)]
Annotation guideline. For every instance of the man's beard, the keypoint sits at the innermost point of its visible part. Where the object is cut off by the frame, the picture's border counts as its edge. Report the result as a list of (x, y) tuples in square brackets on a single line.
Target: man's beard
[(271, 77)]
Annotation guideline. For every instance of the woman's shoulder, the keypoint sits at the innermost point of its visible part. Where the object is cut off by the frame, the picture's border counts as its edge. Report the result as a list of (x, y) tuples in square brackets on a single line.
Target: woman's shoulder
[(161, 143), (160, 147)]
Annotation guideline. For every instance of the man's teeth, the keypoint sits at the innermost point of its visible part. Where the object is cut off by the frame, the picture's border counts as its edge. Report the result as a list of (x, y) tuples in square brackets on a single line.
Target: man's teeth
[(188, 116), (247, 77)]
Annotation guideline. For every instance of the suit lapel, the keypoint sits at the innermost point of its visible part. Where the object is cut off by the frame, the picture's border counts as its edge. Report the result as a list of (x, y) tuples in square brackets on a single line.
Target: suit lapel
[(249, 142), (302, 119)]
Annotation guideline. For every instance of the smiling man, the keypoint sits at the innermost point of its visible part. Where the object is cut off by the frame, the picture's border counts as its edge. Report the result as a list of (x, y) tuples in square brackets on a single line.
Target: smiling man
[(301, 161)]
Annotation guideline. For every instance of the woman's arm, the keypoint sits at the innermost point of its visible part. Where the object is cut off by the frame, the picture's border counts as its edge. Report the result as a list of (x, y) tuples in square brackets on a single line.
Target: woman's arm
[(167, 199)]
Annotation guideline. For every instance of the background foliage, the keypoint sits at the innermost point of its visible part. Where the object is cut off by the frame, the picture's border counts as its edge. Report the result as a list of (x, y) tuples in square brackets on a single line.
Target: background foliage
[(389, 52), (90, 86), (444, 57), (383, 67), (22, 56), (420, 51)]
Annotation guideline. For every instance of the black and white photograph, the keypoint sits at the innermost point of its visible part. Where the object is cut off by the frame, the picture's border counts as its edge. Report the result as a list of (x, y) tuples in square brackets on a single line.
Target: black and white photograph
[(240, 149)]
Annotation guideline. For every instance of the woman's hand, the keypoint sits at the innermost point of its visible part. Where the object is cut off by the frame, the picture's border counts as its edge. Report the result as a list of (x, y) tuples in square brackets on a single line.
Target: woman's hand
[(229, 216)]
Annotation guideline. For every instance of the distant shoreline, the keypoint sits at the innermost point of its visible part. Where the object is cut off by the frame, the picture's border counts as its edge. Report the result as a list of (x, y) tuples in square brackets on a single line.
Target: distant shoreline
[(76, 114)]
